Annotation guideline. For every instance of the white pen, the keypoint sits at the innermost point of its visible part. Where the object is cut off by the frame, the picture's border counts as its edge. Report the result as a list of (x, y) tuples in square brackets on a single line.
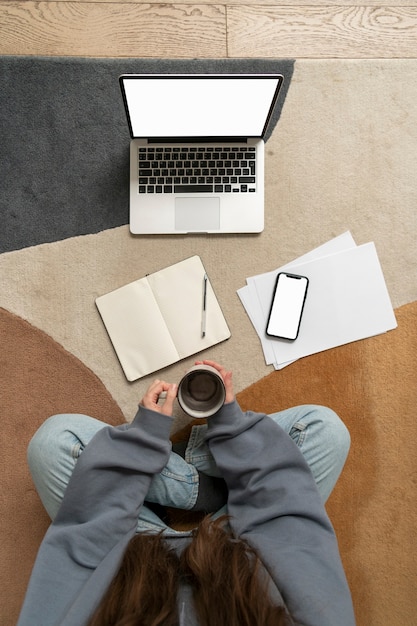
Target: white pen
[(204, 312)]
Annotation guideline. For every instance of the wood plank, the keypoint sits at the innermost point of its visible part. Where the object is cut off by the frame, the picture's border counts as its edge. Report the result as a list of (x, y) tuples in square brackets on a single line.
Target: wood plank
[(112, 29), (325, 32), (277, 3)]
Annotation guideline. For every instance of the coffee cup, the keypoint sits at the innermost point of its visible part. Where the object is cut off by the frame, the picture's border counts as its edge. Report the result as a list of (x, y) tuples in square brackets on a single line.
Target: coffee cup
[(201, 392)]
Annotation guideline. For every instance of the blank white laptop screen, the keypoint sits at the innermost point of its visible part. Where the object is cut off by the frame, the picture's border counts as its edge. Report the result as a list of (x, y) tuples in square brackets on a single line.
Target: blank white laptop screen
[(199, 107)]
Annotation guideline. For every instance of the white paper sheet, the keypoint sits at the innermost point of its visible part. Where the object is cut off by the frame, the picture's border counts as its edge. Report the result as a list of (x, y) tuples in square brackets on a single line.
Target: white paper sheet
[(347, 300), (249, 296)]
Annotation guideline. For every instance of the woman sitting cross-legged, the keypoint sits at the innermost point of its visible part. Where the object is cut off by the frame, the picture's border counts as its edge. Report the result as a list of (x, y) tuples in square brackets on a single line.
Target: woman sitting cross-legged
[(266, 555)]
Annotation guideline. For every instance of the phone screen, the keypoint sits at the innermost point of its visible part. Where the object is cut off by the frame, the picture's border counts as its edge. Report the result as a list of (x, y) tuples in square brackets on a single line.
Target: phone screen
[(287, 306)]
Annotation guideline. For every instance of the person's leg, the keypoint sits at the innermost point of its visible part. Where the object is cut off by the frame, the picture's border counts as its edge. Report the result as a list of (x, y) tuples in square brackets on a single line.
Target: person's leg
[(56, 446), (320, 434), (53, 452), (323, 439)]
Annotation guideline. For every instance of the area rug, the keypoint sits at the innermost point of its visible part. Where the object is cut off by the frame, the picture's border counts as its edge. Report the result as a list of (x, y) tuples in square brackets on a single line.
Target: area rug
[(331, 166), (341, 158)]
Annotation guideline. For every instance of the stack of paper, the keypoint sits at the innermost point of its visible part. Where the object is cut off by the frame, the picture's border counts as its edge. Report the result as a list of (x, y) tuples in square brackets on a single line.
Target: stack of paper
[(347, 300)]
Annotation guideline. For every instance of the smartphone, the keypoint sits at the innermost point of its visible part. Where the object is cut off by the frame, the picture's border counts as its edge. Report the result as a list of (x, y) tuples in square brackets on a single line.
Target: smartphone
[(287, 306)]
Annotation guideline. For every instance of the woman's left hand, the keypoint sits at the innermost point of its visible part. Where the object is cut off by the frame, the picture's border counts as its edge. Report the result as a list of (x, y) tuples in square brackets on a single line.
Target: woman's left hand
[(226, 375), (151, 397)]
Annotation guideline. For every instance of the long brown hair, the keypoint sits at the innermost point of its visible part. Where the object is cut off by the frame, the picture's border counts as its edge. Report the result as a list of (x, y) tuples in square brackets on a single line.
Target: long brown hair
[(226, 575)]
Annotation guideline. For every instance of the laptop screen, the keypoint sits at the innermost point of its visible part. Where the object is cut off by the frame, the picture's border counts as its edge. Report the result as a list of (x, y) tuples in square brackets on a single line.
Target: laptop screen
[(199, 105)]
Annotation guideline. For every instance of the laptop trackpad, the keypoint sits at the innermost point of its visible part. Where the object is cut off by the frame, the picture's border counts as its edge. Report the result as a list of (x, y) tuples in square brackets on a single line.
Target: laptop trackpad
[(197, 214)]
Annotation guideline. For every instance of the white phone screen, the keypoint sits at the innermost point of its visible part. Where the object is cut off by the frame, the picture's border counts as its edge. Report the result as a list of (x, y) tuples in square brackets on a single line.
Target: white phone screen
[(287, 306)]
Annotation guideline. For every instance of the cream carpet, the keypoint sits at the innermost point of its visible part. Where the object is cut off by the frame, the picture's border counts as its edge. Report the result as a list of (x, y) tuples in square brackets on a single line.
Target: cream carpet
[(342, 157)]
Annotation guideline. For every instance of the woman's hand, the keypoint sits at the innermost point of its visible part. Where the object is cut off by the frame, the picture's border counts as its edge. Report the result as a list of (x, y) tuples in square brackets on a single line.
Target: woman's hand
[(151, 397), (227, 378)]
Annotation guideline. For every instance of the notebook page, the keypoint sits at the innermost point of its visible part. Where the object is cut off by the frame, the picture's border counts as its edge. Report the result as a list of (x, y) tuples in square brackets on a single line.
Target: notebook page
[(178, 290), (137, 329)]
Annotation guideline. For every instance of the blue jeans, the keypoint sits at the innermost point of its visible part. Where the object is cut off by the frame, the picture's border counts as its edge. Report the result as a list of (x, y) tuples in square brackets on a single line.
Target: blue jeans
[(54, 449)]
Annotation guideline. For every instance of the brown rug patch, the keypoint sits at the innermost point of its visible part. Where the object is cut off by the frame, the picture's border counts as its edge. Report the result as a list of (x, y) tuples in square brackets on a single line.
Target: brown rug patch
[(38, 379), (372, 385)]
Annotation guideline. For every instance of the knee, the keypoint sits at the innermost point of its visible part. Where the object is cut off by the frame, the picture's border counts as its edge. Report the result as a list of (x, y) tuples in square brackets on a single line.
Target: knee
[(333, 431), (46, 440), (60, 435)]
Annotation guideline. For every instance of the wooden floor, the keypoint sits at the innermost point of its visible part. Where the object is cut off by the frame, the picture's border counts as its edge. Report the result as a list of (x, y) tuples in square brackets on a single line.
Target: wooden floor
[(246, 28)]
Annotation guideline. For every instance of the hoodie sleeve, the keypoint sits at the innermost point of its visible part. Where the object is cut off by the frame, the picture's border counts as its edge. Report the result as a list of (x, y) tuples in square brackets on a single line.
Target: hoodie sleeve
[(274, 504), (83, 547)]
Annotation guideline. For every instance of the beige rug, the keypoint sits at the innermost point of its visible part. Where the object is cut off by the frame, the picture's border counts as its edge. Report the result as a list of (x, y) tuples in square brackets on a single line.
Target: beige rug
[(342, 157)]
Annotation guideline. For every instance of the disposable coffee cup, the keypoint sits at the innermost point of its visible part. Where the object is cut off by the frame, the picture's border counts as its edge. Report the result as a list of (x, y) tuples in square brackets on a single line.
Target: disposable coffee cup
[(201, 392)]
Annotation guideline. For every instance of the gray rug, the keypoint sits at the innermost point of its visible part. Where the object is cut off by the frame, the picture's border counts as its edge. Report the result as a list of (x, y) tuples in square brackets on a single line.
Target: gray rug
[(65, 141)]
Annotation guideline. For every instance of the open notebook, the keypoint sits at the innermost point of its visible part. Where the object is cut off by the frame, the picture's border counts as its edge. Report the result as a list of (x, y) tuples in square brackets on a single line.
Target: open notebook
[(162, 318)]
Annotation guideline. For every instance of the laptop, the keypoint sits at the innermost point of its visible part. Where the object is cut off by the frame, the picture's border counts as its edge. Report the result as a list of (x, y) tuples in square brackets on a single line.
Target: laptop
[(197, 151)]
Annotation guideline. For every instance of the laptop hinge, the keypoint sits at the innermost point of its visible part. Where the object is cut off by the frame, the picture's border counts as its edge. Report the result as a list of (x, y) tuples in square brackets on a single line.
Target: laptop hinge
[(184, 140)]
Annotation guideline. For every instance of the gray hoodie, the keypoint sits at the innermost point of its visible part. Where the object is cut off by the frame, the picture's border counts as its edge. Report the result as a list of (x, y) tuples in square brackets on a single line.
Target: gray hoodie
[(273, 502)]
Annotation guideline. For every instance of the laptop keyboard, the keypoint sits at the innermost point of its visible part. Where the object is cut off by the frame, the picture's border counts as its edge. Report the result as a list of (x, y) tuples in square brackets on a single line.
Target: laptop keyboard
[(201, 169)]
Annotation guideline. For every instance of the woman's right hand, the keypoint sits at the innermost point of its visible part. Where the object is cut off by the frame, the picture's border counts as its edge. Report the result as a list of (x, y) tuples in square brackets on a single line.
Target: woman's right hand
[(151, 397)]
